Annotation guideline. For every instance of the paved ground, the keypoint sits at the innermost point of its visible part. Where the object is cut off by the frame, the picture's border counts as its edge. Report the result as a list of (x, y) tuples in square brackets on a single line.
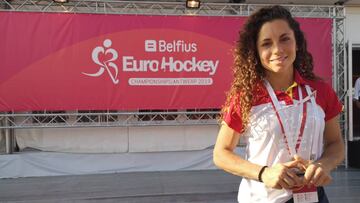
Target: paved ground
[(211, 186), (178, 186)]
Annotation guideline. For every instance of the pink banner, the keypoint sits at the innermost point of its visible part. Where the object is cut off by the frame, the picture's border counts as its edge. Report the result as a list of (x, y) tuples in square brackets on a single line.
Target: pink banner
[(53, 61)]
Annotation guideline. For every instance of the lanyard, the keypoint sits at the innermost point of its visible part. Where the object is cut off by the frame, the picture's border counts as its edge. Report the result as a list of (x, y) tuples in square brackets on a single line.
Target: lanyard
[(290, 145), (317, 144)]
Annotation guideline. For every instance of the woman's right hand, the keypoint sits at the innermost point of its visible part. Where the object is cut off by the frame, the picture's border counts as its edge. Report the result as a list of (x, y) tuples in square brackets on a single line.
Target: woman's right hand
[(283, 175)]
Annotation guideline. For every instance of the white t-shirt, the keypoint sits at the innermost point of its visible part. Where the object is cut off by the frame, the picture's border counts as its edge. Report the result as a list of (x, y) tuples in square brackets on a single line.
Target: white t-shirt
[(357, 89), (265, 141), (265, 144)]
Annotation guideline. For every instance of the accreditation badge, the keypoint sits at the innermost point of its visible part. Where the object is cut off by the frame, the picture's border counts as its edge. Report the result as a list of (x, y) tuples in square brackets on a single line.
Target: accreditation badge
[(306, 194)]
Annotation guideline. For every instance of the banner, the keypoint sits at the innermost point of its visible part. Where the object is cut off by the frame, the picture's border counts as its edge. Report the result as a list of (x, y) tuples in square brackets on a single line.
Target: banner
[(57, 61)]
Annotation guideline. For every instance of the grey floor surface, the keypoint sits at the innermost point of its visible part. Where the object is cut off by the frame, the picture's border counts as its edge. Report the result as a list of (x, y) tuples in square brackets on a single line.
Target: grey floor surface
[(213, 186)]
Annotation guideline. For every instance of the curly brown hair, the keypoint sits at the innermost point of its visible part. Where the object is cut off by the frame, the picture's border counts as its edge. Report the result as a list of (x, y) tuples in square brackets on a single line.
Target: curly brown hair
[(248, 70)]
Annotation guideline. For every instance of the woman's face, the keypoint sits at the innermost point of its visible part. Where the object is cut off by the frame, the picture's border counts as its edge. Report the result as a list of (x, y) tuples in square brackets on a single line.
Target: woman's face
[(276, 46)]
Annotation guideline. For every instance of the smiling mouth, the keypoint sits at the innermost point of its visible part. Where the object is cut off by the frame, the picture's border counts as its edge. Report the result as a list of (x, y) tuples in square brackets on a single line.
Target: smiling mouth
[(281, 59)]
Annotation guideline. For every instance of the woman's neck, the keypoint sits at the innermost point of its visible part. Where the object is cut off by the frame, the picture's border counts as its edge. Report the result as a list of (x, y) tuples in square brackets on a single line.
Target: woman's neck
[(280, 81)]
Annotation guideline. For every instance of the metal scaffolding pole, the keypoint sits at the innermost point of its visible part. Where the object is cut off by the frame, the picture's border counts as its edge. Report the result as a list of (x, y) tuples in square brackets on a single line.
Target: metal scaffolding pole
[(9, 139)]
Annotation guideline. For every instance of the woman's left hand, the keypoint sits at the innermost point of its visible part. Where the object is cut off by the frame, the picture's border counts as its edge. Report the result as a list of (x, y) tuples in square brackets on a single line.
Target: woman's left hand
[(317, 175)]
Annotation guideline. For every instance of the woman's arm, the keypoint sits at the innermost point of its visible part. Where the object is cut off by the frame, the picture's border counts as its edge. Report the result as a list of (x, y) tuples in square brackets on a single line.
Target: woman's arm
[(278, 176), (225, 158), (318, 173)]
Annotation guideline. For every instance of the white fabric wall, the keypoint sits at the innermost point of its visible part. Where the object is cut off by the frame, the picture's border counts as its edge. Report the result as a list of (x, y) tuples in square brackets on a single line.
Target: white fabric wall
[(118, 139), (80, 140), (352, 24)]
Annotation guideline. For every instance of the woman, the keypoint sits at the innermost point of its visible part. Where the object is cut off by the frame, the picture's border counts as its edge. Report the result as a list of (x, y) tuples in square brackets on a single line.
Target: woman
[(286, 115), (357, 92)]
